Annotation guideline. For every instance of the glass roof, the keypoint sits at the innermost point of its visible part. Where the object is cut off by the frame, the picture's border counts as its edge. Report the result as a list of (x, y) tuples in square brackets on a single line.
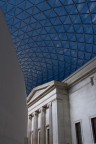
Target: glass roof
[(53, 38)]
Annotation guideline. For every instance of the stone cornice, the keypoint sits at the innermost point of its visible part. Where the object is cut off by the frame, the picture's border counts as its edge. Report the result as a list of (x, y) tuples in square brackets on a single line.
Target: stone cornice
[(85, 71)]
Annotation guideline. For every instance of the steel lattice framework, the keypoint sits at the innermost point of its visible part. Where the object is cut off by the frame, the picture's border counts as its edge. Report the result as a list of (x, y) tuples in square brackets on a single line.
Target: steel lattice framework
[(53, 38)]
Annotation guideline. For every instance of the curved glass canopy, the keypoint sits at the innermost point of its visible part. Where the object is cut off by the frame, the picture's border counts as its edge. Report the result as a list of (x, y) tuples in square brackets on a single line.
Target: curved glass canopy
[(53, 38)]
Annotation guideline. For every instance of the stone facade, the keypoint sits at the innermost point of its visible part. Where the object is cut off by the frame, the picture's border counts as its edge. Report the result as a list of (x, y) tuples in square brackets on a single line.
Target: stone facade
[(55, 107)]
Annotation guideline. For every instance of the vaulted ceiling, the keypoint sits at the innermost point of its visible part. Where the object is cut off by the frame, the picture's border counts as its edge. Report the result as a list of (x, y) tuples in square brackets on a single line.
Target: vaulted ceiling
[(53, 38)]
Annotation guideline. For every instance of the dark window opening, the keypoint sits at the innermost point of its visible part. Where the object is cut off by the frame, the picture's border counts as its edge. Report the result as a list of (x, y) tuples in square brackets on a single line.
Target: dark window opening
[(78, 133), (47, 136), (39, 137), (31, 137), (93, 122)]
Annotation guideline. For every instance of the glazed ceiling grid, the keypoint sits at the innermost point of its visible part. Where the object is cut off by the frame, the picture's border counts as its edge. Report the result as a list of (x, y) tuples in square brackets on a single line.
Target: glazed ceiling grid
[(53, 38)]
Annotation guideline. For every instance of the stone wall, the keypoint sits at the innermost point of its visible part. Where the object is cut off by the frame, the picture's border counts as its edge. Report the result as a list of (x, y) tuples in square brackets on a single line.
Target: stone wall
[(13, 109)]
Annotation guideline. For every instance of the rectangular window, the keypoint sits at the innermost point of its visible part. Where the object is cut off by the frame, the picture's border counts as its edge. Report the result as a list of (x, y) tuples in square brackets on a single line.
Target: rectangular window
[(78, 133), (93, 122), (39, 132), (47, 136), (31, 137)]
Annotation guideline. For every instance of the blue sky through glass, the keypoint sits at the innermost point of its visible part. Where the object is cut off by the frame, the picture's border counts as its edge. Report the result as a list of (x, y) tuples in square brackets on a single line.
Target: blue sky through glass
[(53, 38)]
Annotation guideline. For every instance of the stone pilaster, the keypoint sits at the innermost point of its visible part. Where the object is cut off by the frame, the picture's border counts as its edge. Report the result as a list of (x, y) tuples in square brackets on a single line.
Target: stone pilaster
[(42, 139), (58, 126)]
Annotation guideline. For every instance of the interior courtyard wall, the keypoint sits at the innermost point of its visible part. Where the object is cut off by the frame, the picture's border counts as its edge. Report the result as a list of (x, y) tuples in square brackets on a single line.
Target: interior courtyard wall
[(82, 97)]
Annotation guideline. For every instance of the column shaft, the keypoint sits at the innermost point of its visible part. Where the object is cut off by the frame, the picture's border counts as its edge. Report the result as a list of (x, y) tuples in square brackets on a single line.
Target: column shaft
[(42, 139), (35, 130), (29, 129)]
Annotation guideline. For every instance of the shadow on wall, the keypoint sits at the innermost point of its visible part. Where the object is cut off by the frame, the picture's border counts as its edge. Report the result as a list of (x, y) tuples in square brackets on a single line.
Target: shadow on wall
[(13, 109)]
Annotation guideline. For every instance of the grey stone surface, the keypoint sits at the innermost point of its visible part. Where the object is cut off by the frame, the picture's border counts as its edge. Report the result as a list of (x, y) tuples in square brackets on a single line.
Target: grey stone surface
[(82, 107), (13, 109)]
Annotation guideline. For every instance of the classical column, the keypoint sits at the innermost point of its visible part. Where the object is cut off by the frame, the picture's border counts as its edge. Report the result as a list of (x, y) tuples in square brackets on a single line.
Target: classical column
[(50, 123), (29, 128), (42, 139), (35, 130)]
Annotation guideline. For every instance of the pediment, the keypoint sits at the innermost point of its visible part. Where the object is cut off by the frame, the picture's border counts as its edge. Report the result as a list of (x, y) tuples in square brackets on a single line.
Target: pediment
[(38, 91), (42, 90)]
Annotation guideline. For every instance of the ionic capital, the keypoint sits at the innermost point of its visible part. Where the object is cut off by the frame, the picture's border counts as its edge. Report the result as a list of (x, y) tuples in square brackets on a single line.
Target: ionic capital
[(30, 116), (49, 104), (42, 109)]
